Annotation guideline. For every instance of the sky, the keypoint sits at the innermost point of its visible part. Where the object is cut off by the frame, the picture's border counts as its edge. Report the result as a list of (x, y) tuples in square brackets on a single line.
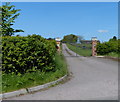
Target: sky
[(60, 0), (57, 19)]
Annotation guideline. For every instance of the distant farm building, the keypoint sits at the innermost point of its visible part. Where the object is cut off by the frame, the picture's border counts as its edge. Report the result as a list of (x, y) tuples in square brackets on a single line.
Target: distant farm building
[(86, 41)]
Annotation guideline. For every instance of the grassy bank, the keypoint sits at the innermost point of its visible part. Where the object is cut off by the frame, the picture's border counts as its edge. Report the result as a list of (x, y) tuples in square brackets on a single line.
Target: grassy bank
[(79, 50), (14, 82), (112, 54)]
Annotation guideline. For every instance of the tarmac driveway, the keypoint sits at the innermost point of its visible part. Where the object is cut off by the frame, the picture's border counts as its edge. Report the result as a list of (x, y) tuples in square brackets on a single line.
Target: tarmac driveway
[(92, 79)]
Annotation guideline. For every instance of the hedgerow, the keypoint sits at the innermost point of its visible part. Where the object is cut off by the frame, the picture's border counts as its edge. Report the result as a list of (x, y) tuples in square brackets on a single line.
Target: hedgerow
[(108, 47), (27, 54)]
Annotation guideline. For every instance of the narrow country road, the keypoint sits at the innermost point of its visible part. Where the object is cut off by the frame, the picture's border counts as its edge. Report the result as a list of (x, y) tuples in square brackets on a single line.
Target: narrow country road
[(92, 79)]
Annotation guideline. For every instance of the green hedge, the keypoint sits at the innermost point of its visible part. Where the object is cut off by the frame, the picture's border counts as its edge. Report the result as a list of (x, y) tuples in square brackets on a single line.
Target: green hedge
[(108, 47), (27, 54)]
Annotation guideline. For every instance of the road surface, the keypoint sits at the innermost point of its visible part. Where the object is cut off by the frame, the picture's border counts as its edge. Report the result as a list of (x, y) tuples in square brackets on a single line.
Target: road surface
[(92, 79)]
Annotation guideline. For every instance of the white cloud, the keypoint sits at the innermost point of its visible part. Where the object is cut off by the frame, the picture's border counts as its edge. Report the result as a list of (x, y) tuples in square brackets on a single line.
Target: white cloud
[(102, 31)]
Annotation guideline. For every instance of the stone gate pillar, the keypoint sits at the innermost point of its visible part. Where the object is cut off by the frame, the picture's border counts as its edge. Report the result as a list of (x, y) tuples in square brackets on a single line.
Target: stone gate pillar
[(94, 43), (58, 43)]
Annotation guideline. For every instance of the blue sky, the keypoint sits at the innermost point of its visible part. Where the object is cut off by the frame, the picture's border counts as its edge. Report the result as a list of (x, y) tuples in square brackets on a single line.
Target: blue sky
[(56, 19)]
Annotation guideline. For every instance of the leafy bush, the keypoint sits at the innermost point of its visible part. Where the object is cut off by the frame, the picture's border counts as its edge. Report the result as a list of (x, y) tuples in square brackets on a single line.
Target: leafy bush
[(27, 54), (108, 47), (12, 82)]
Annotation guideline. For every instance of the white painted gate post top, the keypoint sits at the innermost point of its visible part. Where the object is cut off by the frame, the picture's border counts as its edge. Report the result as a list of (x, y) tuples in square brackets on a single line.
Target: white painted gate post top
[(94, 38)]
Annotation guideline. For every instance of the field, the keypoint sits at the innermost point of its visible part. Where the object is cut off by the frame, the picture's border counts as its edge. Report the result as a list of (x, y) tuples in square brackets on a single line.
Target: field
[(81, 49)]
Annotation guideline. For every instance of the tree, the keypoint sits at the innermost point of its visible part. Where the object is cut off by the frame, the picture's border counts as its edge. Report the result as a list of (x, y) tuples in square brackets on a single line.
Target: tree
[(70, 38), (113, 39), (9, 14), (50, 39)]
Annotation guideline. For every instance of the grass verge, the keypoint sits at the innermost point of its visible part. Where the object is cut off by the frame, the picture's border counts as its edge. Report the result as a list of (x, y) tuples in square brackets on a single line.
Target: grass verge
[(80, 51), (112, 54), (14, 82)]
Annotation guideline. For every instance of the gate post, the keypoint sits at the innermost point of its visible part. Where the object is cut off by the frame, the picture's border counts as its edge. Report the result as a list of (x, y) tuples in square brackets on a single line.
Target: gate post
[(94, 43), (58, 43)]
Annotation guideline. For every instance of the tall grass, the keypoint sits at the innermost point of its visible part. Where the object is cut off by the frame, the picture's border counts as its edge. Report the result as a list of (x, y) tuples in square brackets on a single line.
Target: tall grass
[(112, 54)]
